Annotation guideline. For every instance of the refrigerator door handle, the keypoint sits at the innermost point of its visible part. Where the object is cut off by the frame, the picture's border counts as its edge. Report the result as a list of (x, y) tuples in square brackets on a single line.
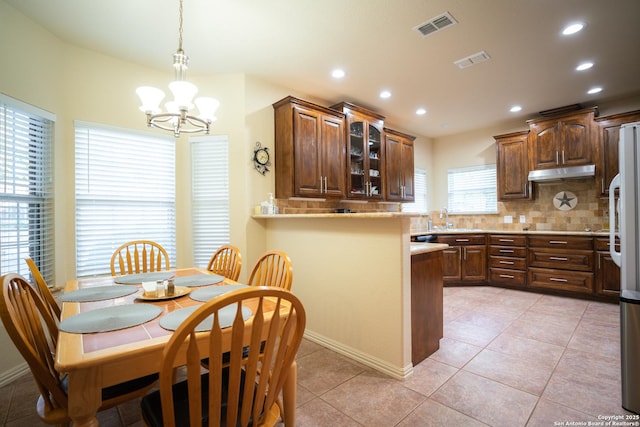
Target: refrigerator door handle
[(615, 255)]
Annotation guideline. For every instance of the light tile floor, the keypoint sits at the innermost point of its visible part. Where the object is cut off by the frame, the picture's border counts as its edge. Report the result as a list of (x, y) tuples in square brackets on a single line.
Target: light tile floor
[(508, 358)]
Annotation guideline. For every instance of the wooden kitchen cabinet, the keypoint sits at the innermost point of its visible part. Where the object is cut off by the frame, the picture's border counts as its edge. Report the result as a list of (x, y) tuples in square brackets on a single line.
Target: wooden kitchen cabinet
[(608, 129), (562, 141), (607, 271), (512, 165), (399, 169), (508, 260), (310, 150), (561, 262), (426, 305), (465, 261), (365, 148)]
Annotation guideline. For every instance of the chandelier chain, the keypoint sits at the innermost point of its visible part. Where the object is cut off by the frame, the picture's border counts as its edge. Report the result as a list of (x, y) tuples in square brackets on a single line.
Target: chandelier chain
[(180, 29)]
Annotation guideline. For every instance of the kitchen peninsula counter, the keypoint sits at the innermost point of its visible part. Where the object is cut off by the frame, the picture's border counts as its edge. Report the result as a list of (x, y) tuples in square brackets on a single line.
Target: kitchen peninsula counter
[(353, 273)]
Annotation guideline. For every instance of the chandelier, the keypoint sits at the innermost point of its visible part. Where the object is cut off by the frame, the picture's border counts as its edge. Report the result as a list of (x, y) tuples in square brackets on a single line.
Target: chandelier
[(177, 117)]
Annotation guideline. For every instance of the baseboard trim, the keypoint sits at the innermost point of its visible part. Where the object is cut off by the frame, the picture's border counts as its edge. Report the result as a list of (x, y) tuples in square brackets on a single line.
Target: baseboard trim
[(13, 374), (364, 358)]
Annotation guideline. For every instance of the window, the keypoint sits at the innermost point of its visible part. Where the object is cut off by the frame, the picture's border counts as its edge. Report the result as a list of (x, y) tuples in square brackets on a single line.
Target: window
[(210, 195), (473, 190), (125, 190), (420, 200), (26, 189)]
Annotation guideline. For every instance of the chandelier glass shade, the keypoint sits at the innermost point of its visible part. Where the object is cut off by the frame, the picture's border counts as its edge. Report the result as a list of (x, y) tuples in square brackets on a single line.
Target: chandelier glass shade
[(178, 116)]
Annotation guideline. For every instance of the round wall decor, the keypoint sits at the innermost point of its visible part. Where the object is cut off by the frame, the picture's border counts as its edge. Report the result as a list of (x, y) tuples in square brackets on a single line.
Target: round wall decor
[(565, 201)]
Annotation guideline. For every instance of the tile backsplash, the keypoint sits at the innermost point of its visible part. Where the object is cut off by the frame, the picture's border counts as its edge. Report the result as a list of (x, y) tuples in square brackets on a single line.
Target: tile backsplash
[(540, 214)]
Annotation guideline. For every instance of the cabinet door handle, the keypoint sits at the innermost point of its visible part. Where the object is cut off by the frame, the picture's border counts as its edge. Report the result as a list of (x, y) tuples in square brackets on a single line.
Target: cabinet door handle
[(462, 240), (506, 240), (556, 157), (557, 242), (558, 258), (321, 184), (563, 157), (555, 279), (506, 251), (507, 276), (602, 189), (465, 253), (325, 185), (507, 262)]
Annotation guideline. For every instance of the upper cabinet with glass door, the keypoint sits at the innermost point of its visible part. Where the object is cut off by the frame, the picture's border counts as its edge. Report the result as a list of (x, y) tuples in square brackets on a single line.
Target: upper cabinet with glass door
[(365, 152)]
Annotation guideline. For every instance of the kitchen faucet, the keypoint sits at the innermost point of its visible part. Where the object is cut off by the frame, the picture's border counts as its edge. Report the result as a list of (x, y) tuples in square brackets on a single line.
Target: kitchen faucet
[(446, 221)]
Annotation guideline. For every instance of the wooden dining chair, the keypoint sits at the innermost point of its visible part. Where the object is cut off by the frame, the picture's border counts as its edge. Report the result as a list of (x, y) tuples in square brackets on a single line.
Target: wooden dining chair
[(34, 332), (245, 378), (227, 262), (43, 289), (273, 268), (139, 256)]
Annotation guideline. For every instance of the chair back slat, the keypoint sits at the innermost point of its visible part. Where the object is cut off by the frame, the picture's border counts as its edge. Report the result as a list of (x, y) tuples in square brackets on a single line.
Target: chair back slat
[(139, 256)]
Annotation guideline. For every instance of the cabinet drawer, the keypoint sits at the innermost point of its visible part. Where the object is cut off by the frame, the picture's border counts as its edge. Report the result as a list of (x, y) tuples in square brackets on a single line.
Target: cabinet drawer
[(561, 242), (510, 263), (507, 240), (603, 244), (561, 259), (462, 239), (575, 281), (507, 277), (508, 251)]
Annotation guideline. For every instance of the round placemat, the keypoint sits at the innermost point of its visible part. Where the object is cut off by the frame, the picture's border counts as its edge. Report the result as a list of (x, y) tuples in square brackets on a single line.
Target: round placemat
[(97, 293), (172, 320), (110, 318), (205, 294), (136, 279), (201, 279)]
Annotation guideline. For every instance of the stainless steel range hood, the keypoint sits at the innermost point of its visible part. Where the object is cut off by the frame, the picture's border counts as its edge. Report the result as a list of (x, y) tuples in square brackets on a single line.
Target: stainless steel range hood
[(558, 174)]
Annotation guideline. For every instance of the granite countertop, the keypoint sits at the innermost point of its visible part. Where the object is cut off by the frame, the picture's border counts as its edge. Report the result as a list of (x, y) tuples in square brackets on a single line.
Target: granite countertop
[(339, 215), (421, 248), (527, 232)]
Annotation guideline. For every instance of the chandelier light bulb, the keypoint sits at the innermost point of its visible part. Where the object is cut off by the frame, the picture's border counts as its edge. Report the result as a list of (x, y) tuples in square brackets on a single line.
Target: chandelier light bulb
[(150, 97), (207, 107)]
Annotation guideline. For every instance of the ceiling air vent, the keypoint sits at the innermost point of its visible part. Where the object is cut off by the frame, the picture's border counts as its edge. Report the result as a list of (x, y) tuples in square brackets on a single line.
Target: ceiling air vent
[(436, 24), (474, 59)]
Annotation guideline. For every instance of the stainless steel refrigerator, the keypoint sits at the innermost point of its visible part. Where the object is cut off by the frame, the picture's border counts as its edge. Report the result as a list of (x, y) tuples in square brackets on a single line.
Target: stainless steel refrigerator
[(628, 213)]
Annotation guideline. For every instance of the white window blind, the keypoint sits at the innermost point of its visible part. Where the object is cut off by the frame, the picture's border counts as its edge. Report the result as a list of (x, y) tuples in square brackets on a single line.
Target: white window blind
[(26, 189), (472, 190), (419, 204), (210, 195), (125, 190)]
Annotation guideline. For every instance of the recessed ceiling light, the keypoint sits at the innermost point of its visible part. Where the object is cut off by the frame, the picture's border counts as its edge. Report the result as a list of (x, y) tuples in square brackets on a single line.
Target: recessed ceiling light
[(421, 111), (515, 108), (573, 28), (385, 94), (338, 73), (584, 66), (594, 90)]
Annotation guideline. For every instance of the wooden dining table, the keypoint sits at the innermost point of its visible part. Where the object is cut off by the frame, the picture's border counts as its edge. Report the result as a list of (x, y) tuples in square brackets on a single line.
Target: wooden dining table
[(97, 360)]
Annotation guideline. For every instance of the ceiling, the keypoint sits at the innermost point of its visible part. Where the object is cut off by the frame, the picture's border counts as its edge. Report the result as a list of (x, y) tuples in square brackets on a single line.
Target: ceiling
[(297, 43)]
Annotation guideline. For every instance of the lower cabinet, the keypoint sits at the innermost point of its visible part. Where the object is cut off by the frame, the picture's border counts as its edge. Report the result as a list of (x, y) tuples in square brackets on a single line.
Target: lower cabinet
[(465, 261), (426, 305), (607, 271), (508, 260), (562, 263)]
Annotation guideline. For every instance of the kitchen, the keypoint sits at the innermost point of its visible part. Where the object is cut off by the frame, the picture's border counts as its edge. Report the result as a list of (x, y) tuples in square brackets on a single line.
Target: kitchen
[(82, 84)]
